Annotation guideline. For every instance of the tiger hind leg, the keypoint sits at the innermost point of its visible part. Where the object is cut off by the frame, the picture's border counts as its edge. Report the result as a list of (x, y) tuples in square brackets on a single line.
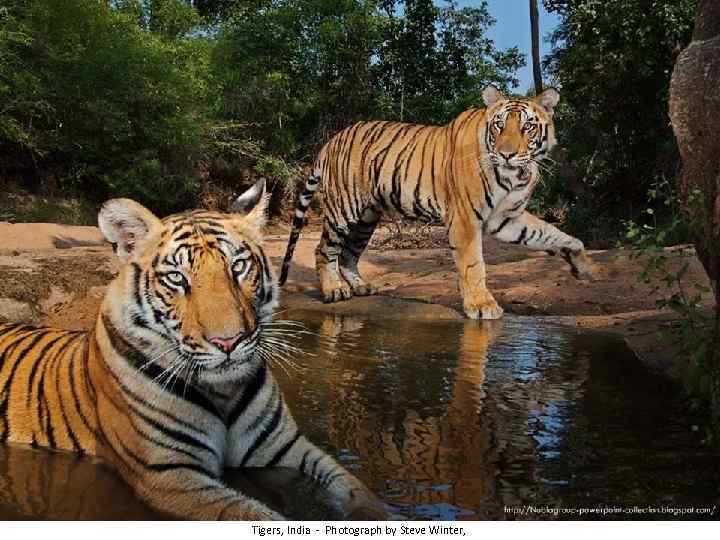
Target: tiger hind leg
[(360, 234), (333, 285)]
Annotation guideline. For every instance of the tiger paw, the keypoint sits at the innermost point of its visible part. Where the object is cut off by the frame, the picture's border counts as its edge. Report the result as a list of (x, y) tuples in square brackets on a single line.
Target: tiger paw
[(250, 510), (580, 265), (359, 286), (364, 289), (368, 513), (488, 309), (366, 508), (337, 293)]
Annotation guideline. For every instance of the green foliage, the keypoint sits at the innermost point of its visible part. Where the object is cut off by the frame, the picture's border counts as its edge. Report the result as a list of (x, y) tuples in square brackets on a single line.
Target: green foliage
[(613, 61), (20, 89), (694, 332), (110, 108), (300, 70), (152, 99), (435, 61)]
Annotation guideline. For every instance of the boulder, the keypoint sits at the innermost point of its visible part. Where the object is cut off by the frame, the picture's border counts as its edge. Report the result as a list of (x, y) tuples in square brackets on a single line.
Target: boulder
[(694, 110)]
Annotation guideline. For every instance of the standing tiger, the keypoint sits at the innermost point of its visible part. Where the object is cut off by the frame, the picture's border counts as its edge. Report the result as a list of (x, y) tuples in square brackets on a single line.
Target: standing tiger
[(172, 384), (476, 174)]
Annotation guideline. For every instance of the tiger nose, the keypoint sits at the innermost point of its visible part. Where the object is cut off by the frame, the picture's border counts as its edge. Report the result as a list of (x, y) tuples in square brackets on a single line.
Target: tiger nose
[(226, 344), (508, 155)]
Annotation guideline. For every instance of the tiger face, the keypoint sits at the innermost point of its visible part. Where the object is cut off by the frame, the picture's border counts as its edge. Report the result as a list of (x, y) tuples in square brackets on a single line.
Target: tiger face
[(195, 288), (518, 132)]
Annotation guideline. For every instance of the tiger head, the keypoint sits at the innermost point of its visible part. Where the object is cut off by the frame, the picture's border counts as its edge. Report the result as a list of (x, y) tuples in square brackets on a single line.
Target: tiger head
[(194, 289), (518, 132)]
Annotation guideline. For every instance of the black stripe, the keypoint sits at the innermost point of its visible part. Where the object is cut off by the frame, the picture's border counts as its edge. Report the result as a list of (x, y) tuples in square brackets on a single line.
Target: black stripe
[(303, 460), (502, 225), (252, 388), (270, 404), (21, 356), (284, 450), (521, 237), (183, 236), (63, 414), (488, 200), (266, 432), (41, 359), (478, 215), (55, 363), (312, 472), (162, 467), (4, 400), (172, 433), (73, 391), (137, 359), (331, 478), (213, 231)]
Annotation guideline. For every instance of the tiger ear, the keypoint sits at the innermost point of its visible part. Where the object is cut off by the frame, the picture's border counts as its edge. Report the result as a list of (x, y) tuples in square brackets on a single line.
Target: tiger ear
[(124, 223), (548, 100), (492, 95), (253, 204)]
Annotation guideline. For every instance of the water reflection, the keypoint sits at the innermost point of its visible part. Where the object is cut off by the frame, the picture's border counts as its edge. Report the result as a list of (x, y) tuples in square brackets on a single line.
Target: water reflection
[(444, 420), (38, 484), (453, 420)]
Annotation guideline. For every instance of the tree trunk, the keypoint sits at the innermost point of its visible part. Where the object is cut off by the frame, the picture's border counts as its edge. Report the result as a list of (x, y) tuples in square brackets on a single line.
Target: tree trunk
[(535, 39), (694, 109)]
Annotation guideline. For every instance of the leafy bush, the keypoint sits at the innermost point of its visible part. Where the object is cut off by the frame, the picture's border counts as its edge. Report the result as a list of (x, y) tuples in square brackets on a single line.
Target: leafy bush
[(107, 106), (696, 332), (613, 60)]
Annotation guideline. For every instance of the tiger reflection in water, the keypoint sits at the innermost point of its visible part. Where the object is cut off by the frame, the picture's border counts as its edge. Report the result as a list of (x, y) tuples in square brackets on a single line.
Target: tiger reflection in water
[(401, 440)]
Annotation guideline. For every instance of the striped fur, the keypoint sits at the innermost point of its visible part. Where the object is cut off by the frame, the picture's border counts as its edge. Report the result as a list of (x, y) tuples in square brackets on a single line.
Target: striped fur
[(157, 389), (475, 174)]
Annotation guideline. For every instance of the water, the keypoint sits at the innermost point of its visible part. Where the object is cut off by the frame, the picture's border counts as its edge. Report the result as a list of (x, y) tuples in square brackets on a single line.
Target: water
[(444, 420)]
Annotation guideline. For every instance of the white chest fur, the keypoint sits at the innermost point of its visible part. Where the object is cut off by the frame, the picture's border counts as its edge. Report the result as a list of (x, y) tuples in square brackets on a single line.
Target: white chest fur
[(512, 192)]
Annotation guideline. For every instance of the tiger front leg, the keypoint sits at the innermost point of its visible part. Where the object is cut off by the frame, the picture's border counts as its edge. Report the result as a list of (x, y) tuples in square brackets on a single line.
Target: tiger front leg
[(349, 495), (534, 233), (359, 237), (333, 286), (466, 240), (187, 493), (580, 265)]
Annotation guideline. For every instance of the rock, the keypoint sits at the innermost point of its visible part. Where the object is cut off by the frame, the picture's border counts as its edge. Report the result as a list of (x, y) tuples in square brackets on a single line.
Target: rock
[(12, 310), (694, 109), (59, 287), (20, 237)]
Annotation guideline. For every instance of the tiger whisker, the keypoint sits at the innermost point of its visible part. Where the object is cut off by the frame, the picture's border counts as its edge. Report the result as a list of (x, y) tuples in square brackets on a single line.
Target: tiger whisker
[(288, 333), (176, 372), (277, 337), (157, 357), (276, 348), (287, 347), (189, 374), (284, 322), (278, 357), (283, 326), (272, 360), (167, 372)]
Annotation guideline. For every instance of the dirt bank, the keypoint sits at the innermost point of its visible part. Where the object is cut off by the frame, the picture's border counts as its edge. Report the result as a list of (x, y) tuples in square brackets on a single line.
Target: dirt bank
[(55, 275)]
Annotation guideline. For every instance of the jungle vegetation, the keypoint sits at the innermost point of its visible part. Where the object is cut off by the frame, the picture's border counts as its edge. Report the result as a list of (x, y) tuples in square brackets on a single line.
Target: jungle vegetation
[(165, 100)]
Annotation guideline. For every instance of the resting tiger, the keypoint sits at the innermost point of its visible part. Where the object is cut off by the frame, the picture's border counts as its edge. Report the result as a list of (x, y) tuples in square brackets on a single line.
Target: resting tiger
[(476, 174), (172, 384)]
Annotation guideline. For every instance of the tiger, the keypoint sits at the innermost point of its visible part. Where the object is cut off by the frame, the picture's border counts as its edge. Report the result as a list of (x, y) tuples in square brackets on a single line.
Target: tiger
[(475, 174), (172, 384)]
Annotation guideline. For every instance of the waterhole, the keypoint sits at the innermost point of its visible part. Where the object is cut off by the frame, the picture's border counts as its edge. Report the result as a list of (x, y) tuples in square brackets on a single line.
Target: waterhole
[(444, 420)]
